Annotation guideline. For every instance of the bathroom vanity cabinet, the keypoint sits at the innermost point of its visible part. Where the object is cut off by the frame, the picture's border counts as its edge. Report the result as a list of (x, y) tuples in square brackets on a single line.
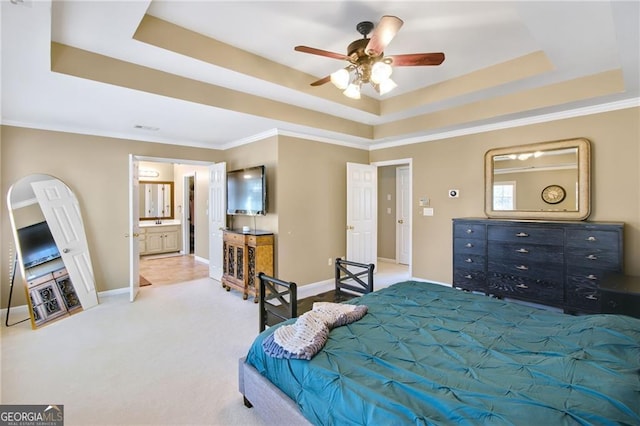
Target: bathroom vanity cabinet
[(156, 239)]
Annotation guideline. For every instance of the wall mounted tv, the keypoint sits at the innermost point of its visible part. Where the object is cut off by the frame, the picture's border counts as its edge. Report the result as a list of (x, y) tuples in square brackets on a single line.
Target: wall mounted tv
[(247, 191), (37, 245)]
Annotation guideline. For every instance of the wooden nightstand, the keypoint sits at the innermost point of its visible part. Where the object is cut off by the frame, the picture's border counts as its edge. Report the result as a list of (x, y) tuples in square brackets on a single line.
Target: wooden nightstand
[(620, 295)]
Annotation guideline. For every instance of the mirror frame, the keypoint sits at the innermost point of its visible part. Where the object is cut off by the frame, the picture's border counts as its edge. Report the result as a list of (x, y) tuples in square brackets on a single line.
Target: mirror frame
[(584, 181), (162, 182)]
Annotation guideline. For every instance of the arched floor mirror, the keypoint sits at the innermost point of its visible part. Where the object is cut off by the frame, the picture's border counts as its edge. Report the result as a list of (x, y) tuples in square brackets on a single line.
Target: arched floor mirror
[(52, 253)]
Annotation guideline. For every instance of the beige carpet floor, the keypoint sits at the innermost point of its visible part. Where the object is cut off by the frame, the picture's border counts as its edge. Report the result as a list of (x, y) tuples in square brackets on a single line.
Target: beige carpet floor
[(169, 358)]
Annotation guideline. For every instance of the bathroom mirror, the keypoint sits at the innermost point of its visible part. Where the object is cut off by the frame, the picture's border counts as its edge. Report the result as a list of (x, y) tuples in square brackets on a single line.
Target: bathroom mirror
[(156, 200), (52, 253), (549, 180)]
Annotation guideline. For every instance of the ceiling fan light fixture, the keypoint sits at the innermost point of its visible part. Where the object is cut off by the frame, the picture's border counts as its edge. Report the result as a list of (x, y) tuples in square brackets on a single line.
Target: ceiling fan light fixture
[(386, 86), (340, 78), (380, 71), (352, 91)]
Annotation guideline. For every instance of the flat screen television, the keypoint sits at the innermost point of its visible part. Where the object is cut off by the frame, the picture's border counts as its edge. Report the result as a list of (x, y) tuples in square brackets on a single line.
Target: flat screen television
[(37, 245), (247, 191)]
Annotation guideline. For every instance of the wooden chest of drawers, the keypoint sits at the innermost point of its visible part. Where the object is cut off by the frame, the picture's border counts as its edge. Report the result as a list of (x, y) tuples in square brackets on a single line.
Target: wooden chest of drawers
[(559, 264)]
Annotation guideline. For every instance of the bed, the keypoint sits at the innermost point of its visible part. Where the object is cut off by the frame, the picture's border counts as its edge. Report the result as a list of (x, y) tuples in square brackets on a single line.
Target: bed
[(430, 354)]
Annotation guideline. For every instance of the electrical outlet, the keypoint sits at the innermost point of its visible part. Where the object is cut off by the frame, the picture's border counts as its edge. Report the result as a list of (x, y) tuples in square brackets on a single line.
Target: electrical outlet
[(330, 262)]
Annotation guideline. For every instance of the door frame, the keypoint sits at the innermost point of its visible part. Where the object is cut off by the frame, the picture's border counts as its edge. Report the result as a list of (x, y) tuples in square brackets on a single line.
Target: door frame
[(403, 162), (186, 237), (134, 216)]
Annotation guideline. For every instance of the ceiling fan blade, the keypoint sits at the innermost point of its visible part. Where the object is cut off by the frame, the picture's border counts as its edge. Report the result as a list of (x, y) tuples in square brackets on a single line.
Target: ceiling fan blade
[(321, 81), (320, 52), (382, 35), (417, 59)]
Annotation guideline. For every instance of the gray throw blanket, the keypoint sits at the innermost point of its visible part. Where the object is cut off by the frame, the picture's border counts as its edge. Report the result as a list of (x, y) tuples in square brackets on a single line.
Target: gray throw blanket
[(304, 338)]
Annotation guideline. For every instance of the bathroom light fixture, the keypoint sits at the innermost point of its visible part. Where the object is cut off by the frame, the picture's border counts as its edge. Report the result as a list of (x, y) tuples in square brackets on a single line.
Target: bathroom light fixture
[(148, 173)]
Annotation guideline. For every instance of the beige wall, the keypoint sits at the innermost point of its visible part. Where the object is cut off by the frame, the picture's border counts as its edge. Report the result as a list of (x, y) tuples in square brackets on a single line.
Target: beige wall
[(312, 196), (459, 163), (96, 169), (263, 152), (306, 183)]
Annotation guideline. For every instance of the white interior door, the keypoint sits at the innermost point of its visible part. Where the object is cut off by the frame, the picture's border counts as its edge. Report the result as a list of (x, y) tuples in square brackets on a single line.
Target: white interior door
[(362, 217), (61, 210), (134, 228), (217, 217), (403, 216)]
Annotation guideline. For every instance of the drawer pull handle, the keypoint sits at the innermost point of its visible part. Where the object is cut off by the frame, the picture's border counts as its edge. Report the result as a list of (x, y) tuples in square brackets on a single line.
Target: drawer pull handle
[(522, 286), (469, 231), (592, 297), (468, 260), (468, 245), (522, 267), (591, 277), (591, 239), (522, 234), (521, 250), (592, 257), (468, 276)]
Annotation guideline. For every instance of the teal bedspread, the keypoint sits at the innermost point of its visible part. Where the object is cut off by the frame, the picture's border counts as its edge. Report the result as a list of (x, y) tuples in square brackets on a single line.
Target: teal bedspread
[(429, 354)]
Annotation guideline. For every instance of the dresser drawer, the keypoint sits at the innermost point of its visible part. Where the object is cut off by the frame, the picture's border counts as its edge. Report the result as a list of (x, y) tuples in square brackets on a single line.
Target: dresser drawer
[(549, 292), (468, 245), (534, 270), (593, 257), (526, 235), (469, 261), (469, 230), (593, 238), (234, 238), (582, 293), (60, 273), (39, 280), (527, 253), (469, 280)]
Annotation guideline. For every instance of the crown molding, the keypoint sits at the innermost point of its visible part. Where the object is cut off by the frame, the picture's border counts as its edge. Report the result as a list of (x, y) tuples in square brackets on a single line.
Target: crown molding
[(370, 146), (544, 118)]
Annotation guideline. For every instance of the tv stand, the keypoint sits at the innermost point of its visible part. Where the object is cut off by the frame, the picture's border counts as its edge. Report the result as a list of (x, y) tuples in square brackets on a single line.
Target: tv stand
[(51, 293), (245, 255)]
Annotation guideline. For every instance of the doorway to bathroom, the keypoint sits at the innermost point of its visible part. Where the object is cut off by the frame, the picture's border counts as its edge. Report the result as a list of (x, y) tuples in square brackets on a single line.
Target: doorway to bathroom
[(182, 237)]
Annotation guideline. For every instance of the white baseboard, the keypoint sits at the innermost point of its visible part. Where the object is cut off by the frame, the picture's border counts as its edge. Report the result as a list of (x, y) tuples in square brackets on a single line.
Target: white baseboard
[(315, 288), (113, 292), (201, 259), (385, 260)]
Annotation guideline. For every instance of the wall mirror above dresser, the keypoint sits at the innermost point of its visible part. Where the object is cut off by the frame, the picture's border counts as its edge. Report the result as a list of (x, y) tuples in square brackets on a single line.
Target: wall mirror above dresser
[(52, 252), (549, 180)]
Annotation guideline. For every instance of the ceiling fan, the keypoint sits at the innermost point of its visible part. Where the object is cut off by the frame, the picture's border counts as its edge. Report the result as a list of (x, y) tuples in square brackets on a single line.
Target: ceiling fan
[(367, 63)]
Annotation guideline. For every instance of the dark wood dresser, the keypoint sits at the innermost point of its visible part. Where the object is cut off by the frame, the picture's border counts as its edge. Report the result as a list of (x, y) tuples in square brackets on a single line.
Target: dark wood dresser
[(621, 295), (560, 264)]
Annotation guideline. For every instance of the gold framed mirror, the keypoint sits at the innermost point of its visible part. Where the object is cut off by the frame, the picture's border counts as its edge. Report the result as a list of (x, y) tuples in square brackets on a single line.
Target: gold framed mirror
[(156, 200), (548, 180)]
